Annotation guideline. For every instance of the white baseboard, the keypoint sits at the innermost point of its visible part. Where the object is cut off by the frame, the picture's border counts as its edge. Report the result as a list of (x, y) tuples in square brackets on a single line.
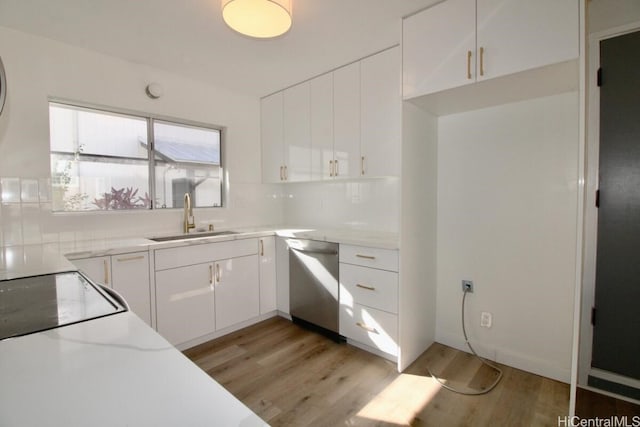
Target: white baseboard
[(225, 331), (508, 357)]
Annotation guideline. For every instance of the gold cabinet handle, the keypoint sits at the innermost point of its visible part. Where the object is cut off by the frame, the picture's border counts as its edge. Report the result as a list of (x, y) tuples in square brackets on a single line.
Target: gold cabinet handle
[(365, 256), (210, 274), (337, 171), (106, 271), (369, 288), (281, 173), (131, 258), (366, 327), (218, 273), (469, 65), (261, 247), (330, 167), (482, 61), (286, 173), (362, 165)]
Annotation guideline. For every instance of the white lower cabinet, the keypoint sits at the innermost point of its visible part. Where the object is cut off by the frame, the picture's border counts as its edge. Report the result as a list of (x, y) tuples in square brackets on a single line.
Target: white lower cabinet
[(130, 278), (185, 302), (96, 268), (127, 274), (204, 288), (237, 295), (268, 278), (369, 298), (376, 329)]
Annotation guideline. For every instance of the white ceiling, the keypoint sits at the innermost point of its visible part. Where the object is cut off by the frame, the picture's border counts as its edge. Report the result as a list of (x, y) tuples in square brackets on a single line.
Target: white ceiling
[(188, 37)]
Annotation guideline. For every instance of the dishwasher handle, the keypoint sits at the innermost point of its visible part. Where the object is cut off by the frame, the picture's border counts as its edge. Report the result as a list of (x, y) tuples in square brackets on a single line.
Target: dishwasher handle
[(317, 251)]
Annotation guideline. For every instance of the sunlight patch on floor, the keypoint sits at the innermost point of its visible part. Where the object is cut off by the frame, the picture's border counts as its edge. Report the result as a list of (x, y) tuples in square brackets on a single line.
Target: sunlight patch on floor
[(401, 400)]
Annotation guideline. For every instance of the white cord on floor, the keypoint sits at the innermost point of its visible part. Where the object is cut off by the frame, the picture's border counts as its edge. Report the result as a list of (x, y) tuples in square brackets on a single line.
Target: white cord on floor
[(483, 360)]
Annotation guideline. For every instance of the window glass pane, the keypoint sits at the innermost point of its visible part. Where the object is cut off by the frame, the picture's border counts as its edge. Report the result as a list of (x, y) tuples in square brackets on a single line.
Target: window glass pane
[(99, 161), (187, 161), (74, 129)]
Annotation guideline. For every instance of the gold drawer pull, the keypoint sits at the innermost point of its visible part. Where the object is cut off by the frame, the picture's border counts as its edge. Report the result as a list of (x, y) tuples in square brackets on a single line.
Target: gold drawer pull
[(131, 258), (365, 256), (469, 65), (481, 61), (369, 288), (366, 327), (210, 274)]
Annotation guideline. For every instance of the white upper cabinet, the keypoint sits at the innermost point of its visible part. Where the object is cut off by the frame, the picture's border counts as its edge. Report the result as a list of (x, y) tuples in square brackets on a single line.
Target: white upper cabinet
[(271, 135), (346, 117), (297, 133), (343, 124), (439, 48), (321, 111), (516, 35), (381, 113), (458, 42)]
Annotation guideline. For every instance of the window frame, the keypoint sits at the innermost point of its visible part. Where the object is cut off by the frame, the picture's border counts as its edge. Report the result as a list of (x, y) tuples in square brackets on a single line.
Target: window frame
[(150, 119)]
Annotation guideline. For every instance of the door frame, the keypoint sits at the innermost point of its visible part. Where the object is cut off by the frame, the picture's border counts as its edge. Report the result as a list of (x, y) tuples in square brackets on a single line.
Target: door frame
[(590, 210)]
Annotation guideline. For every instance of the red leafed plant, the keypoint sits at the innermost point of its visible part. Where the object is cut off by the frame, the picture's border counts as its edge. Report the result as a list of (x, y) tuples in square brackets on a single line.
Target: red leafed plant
[(124, 198)]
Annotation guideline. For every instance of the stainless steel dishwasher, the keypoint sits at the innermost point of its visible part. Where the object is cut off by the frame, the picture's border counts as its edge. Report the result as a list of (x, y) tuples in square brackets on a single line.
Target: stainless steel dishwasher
[(314, 285)]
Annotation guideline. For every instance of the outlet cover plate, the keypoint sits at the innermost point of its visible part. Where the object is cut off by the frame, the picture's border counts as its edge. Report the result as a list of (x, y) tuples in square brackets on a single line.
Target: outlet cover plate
[(467, 285)]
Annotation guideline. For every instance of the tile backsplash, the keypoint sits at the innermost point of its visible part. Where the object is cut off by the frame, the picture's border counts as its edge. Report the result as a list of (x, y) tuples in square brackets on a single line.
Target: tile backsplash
[(373, 204), (26, 216), (365, 204)]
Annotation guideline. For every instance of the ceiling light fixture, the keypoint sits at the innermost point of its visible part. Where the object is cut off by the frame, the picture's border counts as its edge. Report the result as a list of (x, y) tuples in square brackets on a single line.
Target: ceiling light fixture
[(258, 18)]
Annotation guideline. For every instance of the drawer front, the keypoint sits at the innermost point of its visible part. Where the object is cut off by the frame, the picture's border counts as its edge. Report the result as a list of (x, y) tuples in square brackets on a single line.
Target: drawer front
[(385, 259), (375, 328), (204, 252), (369, 286)]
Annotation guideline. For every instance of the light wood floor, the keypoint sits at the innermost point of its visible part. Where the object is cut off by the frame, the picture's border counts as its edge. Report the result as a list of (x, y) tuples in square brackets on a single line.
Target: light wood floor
[(293, 377)]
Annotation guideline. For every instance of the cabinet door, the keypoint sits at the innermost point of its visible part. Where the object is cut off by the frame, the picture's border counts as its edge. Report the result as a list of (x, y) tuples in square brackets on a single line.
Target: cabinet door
[(381, 110), (267, 256), (346, 120), (237, 290), (518, 35), (130, 274), (436, 44), (321, 90), (271, 136), (185, 302), (297, 133), (282, 275), (97, 269)]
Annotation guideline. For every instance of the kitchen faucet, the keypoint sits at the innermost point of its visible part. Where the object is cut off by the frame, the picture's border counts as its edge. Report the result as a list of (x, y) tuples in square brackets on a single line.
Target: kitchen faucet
[(189, 221)]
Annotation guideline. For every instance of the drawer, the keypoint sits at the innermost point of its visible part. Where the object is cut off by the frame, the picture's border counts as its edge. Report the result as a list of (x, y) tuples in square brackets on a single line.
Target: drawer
[(368, 286), (375, 328), (204, 252), (385, 259)]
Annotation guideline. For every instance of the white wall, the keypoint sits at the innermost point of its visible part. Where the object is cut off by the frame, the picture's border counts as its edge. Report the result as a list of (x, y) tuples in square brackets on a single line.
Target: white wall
[(605, 14), (366, 204), (507, 203), (39, 68)]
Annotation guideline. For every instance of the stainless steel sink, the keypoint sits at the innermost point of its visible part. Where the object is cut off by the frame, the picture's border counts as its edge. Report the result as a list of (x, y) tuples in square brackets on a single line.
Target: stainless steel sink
[(193, 235)]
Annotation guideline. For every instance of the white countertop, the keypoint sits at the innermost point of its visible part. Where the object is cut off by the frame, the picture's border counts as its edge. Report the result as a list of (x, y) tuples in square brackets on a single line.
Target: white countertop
[(92, 248), (113, 371)]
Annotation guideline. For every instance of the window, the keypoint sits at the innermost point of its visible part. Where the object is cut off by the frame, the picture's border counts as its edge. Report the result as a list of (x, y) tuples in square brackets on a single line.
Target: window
[(102, 160)]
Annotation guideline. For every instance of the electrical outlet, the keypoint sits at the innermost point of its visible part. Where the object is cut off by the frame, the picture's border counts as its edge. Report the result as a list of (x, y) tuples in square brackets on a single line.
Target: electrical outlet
[(486, 319), (467, 285)]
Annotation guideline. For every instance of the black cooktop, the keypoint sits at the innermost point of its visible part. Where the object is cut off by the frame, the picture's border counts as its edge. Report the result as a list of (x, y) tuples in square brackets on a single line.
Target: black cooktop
[(37, 303)]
